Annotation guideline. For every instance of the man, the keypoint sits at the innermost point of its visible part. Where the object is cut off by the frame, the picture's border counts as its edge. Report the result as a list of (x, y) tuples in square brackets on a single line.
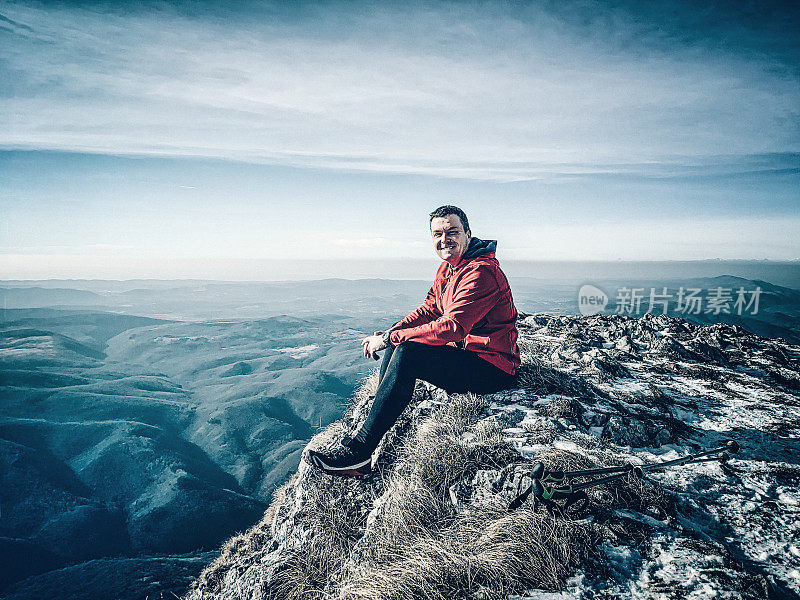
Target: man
[(462, 338)]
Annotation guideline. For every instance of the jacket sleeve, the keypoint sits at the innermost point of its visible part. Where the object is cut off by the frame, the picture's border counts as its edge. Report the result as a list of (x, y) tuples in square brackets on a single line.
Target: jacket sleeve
[(427, 312), (476, 295)]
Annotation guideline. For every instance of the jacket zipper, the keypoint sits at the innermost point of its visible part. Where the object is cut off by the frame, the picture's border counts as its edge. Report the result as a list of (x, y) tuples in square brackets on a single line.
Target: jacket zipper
[(459, 344)]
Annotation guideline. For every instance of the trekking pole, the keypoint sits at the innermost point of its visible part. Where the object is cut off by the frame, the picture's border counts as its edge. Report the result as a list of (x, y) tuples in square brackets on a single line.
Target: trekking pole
[(540, 491), (539, 471), (558, 488), (562, 475), (549, 492), (731, 446)]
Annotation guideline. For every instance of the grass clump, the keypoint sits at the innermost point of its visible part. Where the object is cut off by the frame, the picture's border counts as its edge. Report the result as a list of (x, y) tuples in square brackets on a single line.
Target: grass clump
[(417, 545), (332, 521), (444, 449), (563, 407), (542, 380), (484, 549)]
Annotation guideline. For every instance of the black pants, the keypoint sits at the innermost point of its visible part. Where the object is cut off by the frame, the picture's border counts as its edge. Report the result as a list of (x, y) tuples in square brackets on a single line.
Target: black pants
[(449, 368)]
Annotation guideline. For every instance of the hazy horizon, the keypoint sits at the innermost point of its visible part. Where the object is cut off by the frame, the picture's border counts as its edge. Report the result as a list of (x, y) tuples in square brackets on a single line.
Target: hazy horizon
[(785, 273)]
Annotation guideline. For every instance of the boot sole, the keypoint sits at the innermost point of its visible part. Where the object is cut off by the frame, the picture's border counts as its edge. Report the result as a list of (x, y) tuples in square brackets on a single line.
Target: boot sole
[(354, 471)]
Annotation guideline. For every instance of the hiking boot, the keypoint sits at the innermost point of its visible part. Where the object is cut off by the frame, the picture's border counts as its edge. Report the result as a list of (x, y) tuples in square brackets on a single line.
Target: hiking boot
[(351, 441), (354, 460)]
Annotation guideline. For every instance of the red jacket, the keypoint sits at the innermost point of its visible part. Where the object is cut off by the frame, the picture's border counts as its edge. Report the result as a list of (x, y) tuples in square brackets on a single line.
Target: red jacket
[(469, 306)]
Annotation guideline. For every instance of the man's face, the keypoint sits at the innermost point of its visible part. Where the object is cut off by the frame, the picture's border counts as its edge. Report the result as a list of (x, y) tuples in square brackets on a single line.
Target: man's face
[(449, 238)]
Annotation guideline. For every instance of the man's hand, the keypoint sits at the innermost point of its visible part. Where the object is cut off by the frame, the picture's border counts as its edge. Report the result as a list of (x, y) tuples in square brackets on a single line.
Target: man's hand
[(373, 344)]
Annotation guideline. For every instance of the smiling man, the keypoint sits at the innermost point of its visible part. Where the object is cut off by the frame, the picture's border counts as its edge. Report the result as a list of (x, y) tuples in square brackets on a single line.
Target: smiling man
[(463, 338)]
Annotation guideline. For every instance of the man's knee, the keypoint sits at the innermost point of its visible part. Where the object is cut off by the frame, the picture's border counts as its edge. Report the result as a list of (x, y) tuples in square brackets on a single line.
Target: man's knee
[(410, 355), (409, 349)]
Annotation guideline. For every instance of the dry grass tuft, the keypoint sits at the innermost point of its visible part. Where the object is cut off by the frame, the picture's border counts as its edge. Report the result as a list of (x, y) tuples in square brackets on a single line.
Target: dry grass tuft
[(411, 508), (440, 454), (564, 460), (486, 548), (461, 410), (334, 523), (366, 391), (407, 511), (536, 377), (562, 407), (488, 432), (542, 431)]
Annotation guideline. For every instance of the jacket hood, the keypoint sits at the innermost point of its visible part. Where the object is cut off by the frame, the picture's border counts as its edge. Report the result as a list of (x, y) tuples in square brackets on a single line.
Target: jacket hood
[(477, 247)]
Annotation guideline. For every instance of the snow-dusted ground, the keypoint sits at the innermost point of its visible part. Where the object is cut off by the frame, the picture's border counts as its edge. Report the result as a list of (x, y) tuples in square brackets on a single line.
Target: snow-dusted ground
[(609, 390), (736, 528)]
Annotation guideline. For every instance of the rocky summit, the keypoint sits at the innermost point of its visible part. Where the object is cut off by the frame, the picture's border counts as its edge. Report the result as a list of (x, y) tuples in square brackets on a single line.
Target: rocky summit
[(438, 518)]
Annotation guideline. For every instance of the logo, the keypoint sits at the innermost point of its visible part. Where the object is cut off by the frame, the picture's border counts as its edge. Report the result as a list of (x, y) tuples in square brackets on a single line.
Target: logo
[(591, 300)]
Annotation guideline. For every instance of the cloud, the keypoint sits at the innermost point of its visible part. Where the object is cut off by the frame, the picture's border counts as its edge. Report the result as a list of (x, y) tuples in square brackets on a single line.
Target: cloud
[(441, 89), (6, 23)]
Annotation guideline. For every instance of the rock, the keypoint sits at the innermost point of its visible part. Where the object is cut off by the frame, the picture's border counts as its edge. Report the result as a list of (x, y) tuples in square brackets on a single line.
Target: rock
[(594, 392)]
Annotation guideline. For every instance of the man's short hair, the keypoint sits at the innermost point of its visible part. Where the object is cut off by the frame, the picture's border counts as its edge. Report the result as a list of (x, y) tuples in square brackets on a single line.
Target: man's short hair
[(447, 209)]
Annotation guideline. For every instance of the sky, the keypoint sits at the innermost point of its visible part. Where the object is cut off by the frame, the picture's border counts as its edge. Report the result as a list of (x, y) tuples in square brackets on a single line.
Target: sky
[(185, 139)]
